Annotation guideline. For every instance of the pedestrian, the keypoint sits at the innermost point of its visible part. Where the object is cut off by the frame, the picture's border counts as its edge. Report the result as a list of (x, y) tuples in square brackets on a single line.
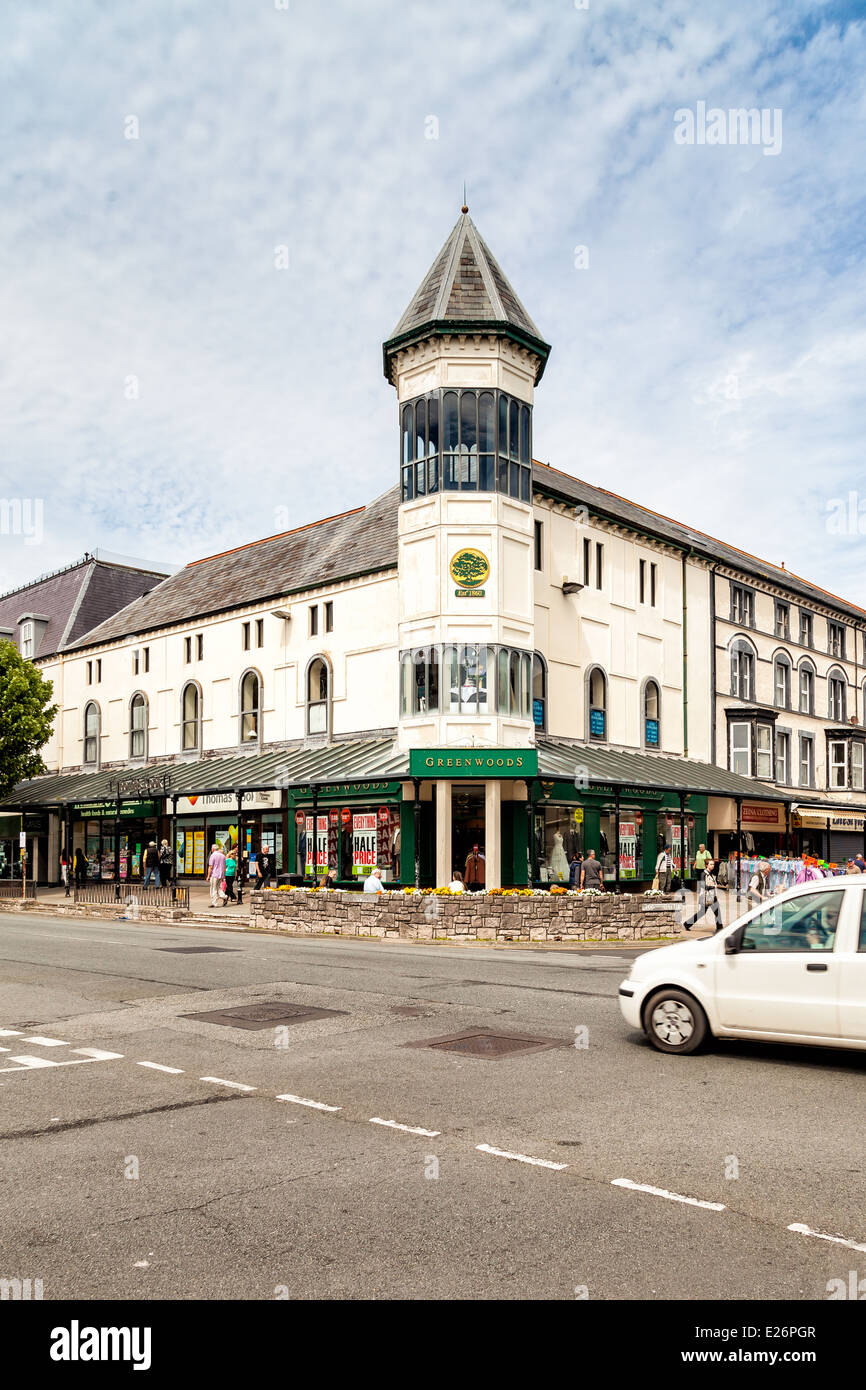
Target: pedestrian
[(575, 869), (852, 867), (151, 865), (591, 873), (860, 862), (231, 871), (79, 868), (708, 898), (475, 870), (373, 884), (64, 869), (329, 880), (456, 885), (165, 864), (216, 867), (759, 884), (264, 869), (702, 858), (664, 869)]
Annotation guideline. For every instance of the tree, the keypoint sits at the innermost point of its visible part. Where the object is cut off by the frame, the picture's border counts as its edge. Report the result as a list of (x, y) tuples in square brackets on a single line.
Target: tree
[(26, 718)]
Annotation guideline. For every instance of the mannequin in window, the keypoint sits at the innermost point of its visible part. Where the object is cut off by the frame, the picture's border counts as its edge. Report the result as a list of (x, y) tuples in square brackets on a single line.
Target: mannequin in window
[(558, 861)]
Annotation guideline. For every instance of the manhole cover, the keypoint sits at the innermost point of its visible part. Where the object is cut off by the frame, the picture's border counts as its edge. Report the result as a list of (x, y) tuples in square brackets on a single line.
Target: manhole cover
[(264, 1015), (195, 950), (492, 1046)]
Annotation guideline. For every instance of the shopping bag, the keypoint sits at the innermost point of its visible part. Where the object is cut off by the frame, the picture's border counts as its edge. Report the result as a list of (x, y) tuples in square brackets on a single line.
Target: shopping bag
[(656, 882)]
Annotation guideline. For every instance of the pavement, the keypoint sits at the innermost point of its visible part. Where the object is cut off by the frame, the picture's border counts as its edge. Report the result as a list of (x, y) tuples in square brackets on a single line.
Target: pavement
[(148, 1153)]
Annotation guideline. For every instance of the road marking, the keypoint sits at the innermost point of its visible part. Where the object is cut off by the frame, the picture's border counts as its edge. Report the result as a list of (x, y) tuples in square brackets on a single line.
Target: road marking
[(94, 1054), (11, 1033), (802, 1230), (220, 1081), (157, 1066), (671, 1196), (26, 1061), (313, 1104), (48, 1042), (520, 1158), (408, 1129)]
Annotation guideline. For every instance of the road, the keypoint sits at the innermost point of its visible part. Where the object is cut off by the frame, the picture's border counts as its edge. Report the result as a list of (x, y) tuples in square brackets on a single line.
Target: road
[(146, 1153)]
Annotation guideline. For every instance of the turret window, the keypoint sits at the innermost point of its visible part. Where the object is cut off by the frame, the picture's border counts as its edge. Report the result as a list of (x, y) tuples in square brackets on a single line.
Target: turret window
[(475, 679), (485, 438)]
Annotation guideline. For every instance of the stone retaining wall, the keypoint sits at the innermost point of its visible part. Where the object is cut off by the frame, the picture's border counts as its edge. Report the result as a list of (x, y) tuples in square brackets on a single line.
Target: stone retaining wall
[(465, 916), (109, 911)]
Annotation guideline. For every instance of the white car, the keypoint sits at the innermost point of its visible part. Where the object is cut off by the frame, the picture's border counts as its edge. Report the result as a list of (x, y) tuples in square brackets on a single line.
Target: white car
[(792, 970)]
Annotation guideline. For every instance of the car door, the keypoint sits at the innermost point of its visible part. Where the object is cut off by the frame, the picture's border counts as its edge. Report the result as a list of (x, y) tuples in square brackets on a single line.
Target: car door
[(852, 974), (784, 978)]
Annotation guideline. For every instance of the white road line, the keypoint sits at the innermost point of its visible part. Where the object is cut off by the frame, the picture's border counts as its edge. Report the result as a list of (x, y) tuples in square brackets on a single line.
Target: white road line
[(33, 1062), (521, 1158), (313, 1104), (220, 1081), (802, 1230), (407, 1129), (94, 1054), (11, 1033), (157, 1066), (671, 1196), (48, 1042)]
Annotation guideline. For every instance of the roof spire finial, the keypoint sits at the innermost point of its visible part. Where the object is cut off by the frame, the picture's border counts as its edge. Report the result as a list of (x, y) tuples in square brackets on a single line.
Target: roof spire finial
[(465, 207)]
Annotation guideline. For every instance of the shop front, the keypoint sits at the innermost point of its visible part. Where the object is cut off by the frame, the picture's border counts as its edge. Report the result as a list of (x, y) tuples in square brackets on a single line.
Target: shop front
[(94, 829), (764, 828), (358, 827), (211, 818), (834, 834)]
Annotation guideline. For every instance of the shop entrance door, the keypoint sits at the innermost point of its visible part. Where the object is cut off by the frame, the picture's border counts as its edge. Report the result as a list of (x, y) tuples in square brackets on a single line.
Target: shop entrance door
[(467, 825)]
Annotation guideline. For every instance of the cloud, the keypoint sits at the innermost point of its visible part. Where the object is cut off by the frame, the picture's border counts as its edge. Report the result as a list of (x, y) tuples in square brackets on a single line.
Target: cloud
[(707, 363)]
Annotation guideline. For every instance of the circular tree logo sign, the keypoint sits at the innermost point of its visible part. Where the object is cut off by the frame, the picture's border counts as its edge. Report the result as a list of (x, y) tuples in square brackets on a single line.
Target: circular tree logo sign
[(469, 569)]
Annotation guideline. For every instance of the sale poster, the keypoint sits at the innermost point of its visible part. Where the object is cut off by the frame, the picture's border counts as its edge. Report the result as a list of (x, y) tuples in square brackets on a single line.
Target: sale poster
[(364, 843), (321, 844)]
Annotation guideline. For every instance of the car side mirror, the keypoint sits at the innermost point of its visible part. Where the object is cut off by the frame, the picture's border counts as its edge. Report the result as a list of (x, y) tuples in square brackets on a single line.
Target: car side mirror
[(733, 943)]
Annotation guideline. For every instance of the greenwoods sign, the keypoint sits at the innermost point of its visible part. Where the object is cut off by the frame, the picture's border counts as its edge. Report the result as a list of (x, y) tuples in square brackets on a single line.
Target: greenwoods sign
[(473, 762)]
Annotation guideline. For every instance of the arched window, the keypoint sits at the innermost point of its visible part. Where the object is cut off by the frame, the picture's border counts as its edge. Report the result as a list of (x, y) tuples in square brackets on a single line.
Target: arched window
[(486, 442), (782, 681), (539, 692), (92, 721), (450, 440), (317, 696), (596, 689), (251, 703), (406, 454), (806, 682), (190, 716), (837, 696), (742, 669), (138, 726), (652, 715), (469, 441)]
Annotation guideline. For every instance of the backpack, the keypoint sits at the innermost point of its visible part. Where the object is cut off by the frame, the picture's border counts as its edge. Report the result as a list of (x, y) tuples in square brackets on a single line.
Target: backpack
[(165, 856)]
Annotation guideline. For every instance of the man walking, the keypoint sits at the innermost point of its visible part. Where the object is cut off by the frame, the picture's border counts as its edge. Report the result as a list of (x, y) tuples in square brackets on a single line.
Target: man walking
[(151, 865), (759, 885), (264, 869), (216, 866), (702, 859), (591, 873), (708, 899), (664, 869), (475, 870)]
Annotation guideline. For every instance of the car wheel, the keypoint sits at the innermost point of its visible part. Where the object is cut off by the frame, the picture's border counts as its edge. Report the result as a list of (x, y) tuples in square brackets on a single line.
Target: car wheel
[(675, 1022)]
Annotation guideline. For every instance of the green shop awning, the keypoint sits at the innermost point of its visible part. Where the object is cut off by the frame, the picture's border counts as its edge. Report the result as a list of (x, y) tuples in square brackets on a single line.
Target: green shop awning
[(596, 767)]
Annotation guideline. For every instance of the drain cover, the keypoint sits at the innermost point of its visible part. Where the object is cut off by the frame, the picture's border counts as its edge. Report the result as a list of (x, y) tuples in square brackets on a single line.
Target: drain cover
[(195, 950), (264, 1015), (484, 1042)]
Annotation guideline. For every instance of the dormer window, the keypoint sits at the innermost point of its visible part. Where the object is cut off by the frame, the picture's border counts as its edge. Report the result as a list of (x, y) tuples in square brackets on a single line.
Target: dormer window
[(27, 640)]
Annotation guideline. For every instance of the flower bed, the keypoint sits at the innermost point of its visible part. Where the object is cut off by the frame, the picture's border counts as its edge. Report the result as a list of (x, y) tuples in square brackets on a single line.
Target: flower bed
[(518, 914)]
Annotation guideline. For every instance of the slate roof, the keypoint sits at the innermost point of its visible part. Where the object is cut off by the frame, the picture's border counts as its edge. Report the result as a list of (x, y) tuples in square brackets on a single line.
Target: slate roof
[(559, 759), (465, 287), (75, 599), (338, 548), (609, 505)]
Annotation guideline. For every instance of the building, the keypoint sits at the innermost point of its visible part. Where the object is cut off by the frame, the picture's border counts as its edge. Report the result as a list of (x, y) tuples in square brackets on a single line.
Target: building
[(492, 652)]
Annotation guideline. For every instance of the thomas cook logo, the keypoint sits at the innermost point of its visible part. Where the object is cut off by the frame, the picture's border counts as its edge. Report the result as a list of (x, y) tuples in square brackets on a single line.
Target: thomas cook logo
[(469, 568)]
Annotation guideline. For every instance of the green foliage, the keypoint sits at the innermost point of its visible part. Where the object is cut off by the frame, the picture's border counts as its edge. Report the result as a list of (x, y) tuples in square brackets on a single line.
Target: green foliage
[(26, 718)]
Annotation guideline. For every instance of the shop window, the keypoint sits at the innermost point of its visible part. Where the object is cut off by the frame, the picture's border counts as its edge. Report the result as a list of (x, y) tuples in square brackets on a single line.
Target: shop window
[(837, 697), (597, 704), (317, 696), (251, 693), (782, 682), (807, 629), (92, 721), (783, 758), (190, 739), (138, 727), (539, 692), (740, 736), (807, 687), (651, 715), (742, 669), (558, 841), (807, 760)]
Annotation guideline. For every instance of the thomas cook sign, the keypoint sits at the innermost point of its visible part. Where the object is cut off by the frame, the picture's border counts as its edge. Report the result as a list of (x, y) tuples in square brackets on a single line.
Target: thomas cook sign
[(469, 569), (473, 762)]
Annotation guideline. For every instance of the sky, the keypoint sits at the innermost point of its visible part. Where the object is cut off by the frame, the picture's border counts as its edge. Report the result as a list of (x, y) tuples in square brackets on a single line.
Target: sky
[(212, 216)]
